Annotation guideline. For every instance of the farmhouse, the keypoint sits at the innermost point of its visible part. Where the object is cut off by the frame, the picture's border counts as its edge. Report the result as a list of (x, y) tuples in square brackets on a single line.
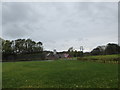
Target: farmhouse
[(57, 56)]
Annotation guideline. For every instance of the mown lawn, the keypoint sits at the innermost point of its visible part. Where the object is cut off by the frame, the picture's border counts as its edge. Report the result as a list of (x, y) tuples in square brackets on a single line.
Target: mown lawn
[(59, 74)]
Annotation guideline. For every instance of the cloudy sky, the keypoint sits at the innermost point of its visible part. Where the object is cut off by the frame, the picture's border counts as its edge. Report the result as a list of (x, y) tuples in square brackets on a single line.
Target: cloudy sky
[(61, 25)]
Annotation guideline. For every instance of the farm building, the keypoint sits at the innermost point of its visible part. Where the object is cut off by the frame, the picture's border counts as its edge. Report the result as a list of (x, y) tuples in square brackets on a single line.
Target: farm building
[(56, 56)]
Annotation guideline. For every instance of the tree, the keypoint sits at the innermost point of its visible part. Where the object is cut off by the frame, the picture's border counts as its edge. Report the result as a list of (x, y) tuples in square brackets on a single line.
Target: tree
[(28, 45), (6, 47), (21, 46), (112, 49), (39, 45), (108, 49), (96, 51), (12, 49), (75, 53), (1, 43), (71, 51)]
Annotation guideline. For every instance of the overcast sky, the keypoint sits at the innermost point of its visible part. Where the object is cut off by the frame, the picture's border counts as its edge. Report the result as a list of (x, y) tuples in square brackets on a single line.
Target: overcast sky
[(62, 25)]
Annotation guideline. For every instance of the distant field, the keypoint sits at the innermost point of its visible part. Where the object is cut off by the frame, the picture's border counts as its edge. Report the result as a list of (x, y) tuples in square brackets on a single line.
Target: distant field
[(60, 74), (101, 58), (108, 57)]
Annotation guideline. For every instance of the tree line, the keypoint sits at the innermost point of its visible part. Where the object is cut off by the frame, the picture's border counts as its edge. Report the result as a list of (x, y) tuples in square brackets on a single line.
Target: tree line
[(21, 46), (74, 53), (27, 49), (28, 46), (109, 49)]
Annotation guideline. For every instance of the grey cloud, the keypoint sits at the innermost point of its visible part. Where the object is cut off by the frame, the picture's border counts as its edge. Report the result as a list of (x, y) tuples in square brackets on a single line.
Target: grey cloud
[(15, 31), (61, 25), (15, 12)]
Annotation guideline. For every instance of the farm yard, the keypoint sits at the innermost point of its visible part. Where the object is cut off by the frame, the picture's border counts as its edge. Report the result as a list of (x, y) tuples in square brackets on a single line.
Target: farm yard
[(61, 73)]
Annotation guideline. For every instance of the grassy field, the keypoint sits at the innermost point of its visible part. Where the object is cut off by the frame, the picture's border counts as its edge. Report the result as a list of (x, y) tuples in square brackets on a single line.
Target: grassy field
[(59, 74), (105, 56), (101, 58)]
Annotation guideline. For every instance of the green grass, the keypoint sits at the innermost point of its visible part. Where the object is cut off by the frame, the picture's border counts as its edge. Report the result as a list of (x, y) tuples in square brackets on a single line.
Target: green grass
[(59, 74), (101, 58), (110, 57)]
